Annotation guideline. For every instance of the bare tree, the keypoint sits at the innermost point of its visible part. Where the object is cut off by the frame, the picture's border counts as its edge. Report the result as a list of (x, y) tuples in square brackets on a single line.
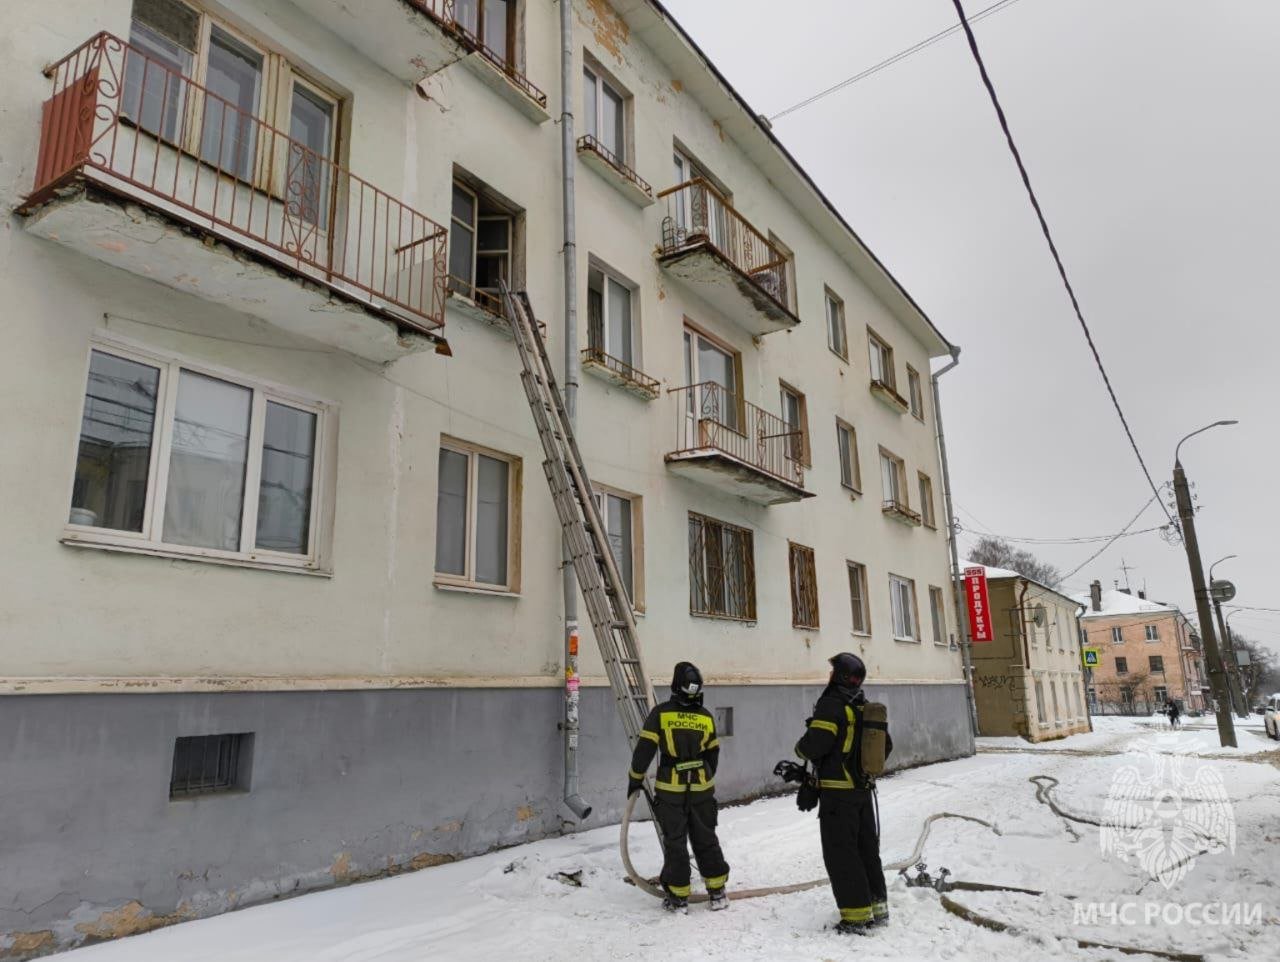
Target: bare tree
[(1261, 676), (998, 553)]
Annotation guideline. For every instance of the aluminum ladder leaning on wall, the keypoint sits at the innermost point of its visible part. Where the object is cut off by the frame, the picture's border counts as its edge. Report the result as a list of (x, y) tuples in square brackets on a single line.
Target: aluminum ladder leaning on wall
[(608, 605)]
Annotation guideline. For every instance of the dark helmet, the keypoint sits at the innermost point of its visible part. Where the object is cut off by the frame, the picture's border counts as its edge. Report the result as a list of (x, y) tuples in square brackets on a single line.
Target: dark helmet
[(848, 670), (686, 682)]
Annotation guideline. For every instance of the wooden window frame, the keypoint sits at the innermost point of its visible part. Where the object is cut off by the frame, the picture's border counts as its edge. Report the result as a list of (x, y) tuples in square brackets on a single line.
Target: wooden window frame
[(900, 473), (802, 412), (792, 300), (855, 466), (1151, 664), (833, 300), (803, 577), (857, 572), (927, 513), (888, 370), (915, 393), (484, 197), (938, 615), (150, 540), (515, 490), (1122, 665), (915, 609), (637, 537)]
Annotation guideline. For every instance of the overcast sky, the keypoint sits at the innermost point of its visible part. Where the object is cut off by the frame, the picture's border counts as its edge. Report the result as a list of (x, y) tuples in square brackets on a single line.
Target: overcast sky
[(1151, 134)]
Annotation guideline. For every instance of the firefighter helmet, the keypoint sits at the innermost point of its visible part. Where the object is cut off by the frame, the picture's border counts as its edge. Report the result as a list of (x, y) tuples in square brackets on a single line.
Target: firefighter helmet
[(686, 681), (848, 670)]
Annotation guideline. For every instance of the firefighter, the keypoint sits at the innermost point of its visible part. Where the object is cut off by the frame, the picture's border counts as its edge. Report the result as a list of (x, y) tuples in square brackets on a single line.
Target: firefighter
[(683, 735), (846, 806)]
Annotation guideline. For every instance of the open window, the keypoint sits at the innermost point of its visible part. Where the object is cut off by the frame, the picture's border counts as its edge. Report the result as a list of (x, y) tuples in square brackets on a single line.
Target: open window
[(795, 415), (847, 452), (486, 245)]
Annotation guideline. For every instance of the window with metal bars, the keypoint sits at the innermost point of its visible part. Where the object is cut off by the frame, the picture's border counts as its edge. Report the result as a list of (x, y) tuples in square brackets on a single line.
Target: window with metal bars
[(722, 570), (804, 588), (210, 764)]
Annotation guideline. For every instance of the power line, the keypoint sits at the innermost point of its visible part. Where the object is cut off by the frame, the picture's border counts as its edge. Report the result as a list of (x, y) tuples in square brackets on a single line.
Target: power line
[(1155, 497), (1084, 539), (1053, 249), (890, 61)]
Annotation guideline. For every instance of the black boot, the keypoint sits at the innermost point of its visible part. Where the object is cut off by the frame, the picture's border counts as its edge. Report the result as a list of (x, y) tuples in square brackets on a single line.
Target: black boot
[(676, 903), (853, 928), (719, 899)]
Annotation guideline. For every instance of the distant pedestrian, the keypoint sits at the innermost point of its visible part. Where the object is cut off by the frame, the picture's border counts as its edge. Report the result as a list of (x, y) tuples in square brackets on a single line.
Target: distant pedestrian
[(1174, 713)]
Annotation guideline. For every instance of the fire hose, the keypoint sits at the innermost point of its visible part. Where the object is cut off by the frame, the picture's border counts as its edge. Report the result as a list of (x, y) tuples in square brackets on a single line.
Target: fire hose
[(941, 885)]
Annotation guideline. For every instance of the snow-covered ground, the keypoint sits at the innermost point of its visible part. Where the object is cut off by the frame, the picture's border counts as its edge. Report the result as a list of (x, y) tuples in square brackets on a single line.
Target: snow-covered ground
[(514, 905)]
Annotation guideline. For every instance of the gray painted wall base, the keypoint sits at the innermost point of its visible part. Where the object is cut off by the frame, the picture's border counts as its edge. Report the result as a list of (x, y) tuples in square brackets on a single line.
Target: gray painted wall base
[(345, 785)]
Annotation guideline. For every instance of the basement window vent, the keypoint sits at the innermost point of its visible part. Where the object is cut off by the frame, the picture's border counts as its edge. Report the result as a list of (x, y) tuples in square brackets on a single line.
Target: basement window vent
[(724, 721), (210, 765)]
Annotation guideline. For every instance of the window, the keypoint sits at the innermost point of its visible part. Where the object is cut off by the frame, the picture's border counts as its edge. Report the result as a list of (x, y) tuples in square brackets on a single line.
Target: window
[(1117, 635), (609, 316), (1161, 694), (702, 209), (606, 113), (482, 245), (858, 598), (210, 765), (1093, 698), (1153, 632), (1156, 663), (795, 414), (768, 279), (722, 570), (492, 23), (804, 587), (916, 398), (926, 501), (893, 478), (881, 361), (1122, 666), (476, 518), (938, 615), (180, 459), (1040, 714), (837, 337), (621, 515), (176, 45), (714, 370), (847, 448), (902, 595), (1053, 692)]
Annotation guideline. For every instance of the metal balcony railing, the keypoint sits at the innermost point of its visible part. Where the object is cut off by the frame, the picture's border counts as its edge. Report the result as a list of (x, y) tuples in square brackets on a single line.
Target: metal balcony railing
[(708, 415), (697, 213), (901, 510), (588, 142), (594, 353), (133, 126), (445, 14)]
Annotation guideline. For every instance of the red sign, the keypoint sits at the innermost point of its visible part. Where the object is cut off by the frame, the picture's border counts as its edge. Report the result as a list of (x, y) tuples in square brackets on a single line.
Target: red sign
[(975, 590)]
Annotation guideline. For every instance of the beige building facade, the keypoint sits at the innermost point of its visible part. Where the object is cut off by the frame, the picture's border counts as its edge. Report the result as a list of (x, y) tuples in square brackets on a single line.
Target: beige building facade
[(1028, 679), (285, 588)]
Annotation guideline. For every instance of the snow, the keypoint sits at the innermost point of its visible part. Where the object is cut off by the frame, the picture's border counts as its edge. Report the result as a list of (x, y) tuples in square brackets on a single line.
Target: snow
[(1116, 602), (513, 904)]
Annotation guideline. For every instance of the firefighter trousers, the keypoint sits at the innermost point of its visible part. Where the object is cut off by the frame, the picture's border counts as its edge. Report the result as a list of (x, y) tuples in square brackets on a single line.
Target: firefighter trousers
[(684, 818), (851, 851)]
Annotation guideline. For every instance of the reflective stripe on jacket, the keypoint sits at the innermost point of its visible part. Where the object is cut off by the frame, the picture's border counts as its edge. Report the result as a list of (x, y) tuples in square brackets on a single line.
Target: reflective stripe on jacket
[(831, 743), (684, 739)]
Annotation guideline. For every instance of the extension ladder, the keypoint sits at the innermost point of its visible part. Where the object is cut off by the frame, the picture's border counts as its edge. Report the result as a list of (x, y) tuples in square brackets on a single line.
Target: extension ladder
[(608, 605)]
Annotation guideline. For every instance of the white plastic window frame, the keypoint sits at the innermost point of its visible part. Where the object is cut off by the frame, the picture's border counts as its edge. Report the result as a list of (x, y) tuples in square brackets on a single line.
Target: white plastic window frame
[(150, 539)]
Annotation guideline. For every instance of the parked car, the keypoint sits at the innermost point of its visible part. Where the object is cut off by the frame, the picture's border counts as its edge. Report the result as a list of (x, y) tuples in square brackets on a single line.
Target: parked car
[(1271, 717)]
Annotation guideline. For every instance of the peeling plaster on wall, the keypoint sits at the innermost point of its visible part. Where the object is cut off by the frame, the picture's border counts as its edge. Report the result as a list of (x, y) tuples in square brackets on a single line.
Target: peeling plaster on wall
[(610, 30), (26, 945), (130, 919), (719, 128)]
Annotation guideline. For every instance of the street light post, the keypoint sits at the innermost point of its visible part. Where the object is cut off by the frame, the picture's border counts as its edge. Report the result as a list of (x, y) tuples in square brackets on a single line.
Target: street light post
[(1186, 514), (1239, 672), (1228, 648)]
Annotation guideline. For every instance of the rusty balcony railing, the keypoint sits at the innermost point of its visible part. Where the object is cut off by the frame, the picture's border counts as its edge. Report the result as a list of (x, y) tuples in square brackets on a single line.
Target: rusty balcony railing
[(133, 126), (592, 144), (697, 213), (901, 510), (462, 21), (709, 416), (618, 369)]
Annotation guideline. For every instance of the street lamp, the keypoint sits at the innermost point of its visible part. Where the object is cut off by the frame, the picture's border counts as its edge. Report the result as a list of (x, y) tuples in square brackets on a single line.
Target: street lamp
[(1187, 515), (1222, 591)]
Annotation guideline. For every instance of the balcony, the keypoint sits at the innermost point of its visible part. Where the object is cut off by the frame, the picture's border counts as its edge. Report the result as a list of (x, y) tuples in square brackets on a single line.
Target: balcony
[(735, 447), (146, 171), (711, 248), (616, 173), (888, 394), (900, 511)]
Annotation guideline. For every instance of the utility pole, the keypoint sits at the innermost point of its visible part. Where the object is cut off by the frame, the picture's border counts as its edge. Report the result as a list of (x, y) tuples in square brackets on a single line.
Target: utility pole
[(1187, 515), (1233, 669)]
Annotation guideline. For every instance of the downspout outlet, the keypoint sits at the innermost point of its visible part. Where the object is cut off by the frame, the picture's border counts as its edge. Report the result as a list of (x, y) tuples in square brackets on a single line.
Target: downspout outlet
[(577, 805)]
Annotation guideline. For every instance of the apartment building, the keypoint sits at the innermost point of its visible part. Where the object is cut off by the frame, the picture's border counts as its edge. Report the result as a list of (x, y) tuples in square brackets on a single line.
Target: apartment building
[(284, 592), (1149, 654), (1028, 679)]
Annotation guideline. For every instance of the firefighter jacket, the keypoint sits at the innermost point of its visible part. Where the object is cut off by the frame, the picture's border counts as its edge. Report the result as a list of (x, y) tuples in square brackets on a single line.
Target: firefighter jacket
[(684, 739), (831, 740)]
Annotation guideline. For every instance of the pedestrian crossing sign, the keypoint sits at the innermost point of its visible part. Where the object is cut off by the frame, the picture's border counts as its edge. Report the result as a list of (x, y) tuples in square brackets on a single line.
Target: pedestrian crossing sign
[(1090, 657)]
